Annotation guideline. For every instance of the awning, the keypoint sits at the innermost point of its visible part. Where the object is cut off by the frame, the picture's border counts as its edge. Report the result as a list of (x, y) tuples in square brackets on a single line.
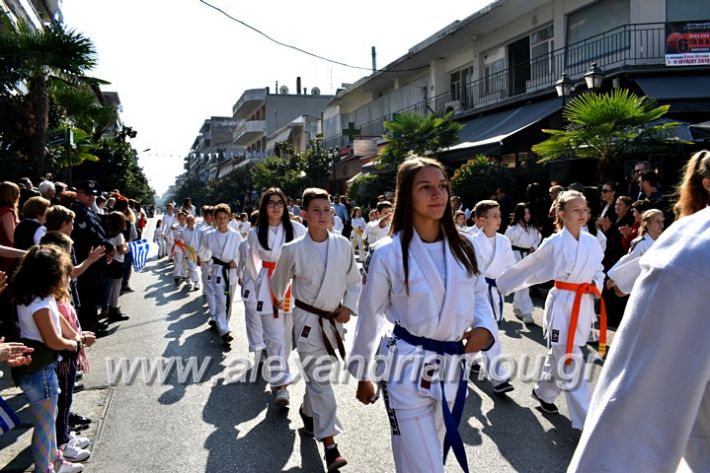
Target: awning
[(701, 131), (281, 136), (681, 132), (684, 94), (673, 88), (492, 130), (349, 181)]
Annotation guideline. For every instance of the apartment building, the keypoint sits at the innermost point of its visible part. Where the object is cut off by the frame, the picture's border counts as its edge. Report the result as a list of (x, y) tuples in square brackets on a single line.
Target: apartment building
[(213, 153), (261, 115), (496, 72), (34, 13)]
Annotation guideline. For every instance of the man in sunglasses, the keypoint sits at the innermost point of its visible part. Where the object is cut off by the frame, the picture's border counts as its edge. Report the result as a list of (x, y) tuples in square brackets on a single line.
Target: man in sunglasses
[(607, 215)]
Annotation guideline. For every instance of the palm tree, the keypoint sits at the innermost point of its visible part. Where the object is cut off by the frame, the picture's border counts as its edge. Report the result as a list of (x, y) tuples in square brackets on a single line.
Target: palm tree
[(412, 132), (37, 58), (607, 126)]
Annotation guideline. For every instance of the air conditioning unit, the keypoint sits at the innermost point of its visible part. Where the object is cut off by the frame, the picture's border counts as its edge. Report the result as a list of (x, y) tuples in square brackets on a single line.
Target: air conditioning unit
[(452, 106)]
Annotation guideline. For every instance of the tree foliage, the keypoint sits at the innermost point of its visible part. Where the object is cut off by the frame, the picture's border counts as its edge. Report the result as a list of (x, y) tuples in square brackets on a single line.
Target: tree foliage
[(365, 188), (479, 178), (38, 58), (413, 132), (607, 126)]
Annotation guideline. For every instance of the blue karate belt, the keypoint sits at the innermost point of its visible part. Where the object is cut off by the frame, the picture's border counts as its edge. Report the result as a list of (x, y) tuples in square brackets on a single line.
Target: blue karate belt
[(452, 418), (491, 284)]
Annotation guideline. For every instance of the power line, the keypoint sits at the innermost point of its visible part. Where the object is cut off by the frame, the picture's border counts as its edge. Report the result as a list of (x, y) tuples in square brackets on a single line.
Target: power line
[(296, 48)]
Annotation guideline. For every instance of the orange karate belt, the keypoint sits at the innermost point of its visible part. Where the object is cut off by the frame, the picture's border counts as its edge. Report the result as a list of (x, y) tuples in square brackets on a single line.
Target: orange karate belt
[(579, 290), (271, 266), (180, 244)]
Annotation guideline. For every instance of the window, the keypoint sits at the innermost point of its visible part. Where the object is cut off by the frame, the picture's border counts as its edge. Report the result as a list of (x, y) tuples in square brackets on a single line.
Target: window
[(494, 74), (541, 47), (460, 81), (509, 160), (598, 32)]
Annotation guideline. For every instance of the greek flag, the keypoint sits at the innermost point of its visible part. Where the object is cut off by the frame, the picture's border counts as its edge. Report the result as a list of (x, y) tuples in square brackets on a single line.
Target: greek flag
[(8, 418), (139, 251)]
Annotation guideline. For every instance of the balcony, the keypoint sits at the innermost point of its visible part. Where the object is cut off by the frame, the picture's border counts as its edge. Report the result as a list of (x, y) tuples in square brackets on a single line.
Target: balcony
[(248, 131), (248, 103), (626, 46)]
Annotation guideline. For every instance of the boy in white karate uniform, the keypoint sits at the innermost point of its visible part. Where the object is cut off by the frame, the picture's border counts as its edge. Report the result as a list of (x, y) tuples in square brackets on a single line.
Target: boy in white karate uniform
[(494, 254), (222, 247), (191, 237), (326, 286)]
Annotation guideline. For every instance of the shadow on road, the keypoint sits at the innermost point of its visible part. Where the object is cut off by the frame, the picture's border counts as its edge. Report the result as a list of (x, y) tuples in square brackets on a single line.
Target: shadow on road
[(517, 432)]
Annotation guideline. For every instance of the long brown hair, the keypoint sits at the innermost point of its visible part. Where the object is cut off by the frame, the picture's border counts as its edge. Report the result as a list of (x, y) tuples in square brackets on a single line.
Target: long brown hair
[(692, 195), (9, 193), (403, 220), (262, 224)]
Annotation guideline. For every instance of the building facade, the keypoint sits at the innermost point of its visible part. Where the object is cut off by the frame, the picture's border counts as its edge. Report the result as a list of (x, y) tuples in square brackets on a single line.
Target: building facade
[(495, 71), (213, 153), (263, 117), (34, 13)]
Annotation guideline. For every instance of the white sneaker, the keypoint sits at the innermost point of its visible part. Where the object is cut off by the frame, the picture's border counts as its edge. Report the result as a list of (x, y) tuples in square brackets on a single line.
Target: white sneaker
[(79, 441), (281, 398), (70, 468), (528, 319), (72, 452)]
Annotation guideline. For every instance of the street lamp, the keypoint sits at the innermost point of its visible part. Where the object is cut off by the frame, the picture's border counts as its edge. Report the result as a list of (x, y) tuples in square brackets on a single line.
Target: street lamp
[(594, 77), (564, 88), (334, 154)]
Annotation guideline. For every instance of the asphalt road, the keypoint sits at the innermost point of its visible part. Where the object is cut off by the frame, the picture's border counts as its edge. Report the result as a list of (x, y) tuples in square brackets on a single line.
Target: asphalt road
[(214, 423)]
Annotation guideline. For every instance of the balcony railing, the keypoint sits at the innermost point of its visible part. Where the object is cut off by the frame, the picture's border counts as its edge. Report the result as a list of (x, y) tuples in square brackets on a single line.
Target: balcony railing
[(248, 130), (628, 45)]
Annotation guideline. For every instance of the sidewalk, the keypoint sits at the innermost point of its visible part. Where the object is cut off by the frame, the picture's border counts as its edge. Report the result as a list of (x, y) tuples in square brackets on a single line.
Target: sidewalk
[(15, 453)]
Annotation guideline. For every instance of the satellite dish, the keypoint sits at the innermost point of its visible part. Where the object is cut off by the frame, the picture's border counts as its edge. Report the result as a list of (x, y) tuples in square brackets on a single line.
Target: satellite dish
[(283, 90), (315, 91)]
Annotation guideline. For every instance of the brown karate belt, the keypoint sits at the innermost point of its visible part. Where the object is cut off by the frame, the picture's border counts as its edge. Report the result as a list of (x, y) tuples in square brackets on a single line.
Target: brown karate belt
[(329, 316)]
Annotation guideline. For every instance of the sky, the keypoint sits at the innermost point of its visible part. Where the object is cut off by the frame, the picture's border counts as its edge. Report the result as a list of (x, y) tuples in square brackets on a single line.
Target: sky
[(175, 63)]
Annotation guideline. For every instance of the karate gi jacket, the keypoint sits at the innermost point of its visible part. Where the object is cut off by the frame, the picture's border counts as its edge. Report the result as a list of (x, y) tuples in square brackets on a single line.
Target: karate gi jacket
[(324, 287), (561, 258), (433, 309), (650, 411)]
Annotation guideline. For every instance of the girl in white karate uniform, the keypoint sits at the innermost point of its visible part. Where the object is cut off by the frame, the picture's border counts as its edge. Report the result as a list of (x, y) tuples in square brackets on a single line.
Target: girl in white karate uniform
[(272, 328), (625, 272), (158, 238), (525, 237), (573, 259), (358, 233), (180, 270), (168, 232), (424, 279)]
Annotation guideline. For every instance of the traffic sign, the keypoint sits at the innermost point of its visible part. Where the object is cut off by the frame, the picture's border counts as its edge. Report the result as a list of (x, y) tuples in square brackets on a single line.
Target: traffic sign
[(55, 138)]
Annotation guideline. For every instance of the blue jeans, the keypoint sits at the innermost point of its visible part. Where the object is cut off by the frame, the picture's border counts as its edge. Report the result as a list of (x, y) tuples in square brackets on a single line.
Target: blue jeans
[(41, 384)]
